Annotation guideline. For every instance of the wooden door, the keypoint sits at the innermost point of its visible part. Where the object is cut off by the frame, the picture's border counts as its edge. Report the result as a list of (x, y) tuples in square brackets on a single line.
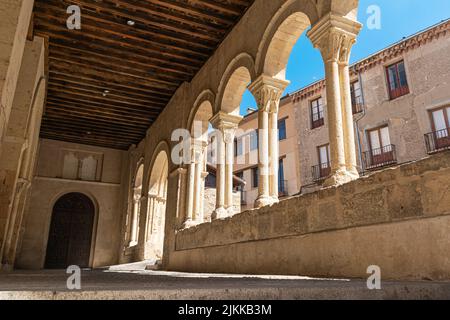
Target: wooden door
[(70, 235)]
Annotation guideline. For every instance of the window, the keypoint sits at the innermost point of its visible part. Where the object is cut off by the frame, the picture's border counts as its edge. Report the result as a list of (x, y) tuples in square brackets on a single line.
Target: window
[(282, 184), (323, 169), (440, 137), (255, 177), (398, 84), (78, 165), (356, 94), (382, 152), (238, 146), (254, 140), (379, 139), (324, 154), (282, 129), (441, 119), (317, 118)]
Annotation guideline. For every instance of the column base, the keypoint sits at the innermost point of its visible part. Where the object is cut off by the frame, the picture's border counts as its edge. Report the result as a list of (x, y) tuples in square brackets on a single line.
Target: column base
[(341, 177), (220, 213), (132, 244), (188, 224), (264, 201)]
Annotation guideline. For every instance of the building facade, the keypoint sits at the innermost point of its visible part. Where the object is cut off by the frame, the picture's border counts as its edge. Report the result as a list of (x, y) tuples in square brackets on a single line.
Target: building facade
[(400, 104)]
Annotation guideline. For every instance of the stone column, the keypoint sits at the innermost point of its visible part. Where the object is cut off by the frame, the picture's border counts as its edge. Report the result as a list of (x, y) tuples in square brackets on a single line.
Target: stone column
[(200, 147), (151, 215), (135, 219), (267, 92), (347, 110), (189, 215), (333, 36), (226, 124)]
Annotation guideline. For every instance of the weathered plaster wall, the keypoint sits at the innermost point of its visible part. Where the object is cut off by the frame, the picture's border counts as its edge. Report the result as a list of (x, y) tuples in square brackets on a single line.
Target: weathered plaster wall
[(48, 187), (397, 219)]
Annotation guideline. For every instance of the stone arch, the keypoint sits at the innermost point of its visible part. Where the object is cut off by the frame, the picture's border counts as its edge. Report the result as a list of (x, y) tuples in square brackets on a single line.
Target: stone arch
[(283, 31), (156, 204), (201, 112), (236, 78), (54, 244)]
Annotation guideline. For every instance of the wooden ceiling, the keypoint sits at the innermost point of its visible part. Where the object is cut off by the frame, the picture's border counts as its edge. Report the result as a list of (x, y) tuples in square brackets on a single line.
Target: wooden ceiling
[(109, 81)]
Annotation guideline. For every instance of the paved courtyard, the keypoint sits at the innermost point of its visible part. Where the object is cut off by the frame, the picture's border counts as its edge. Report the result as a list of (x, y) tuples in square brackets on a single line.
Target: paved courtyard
[(107, 284)]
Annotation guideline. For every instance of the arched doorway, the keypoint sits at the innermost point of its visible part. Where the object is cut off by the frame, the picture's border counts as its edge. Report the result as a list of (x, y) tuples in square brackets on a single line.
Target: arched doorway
[(70, 236)]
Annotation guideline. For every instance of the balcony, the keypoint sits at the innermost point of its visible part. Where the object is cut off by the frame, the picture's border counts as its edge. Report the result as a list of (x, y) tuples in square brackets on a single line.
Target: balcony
[(357, 107), (438, 141), (283, 188), (378, 158), (321, 172), (317, 120)]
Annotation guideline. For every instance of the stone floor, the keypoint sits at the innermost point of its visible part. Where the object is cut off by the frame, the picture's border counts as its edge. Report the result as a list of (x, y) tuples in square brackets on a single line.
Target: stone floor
[(107, 284)]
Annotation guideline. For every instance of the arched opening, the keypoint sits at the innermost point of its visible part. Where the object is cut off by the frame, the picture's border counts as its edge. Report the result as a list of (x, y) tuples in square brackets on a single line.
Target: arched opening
[(234, 91), (136, 207), (71, 230), (200, 128), (282, 44), (156, 212)]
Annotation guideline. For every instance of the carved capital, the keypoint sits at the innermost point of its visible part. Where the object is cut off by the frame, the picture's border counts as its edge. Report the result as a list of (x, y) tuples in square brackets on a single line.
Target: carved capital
[(267, 92), (334, 36), (226, 124)]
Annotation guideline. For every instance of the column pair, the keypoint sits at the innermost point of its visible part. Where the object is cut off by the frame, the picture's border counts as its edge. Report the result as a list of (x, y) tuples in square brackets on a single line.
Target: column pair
[(226, 126), (134, 228), (334, 36), (196, 184), (267, 92)]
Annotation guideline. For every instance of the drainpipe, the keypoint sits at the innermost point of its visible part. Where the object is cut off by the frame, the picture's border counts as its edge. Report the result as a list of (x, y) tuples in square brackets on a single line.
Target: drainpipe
[(356, 122)]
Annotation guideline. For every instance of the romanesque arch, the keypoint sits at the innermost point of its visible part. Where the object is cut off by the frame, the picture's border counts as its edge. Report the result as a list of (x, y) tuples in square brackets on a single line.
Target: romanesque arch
[(156, 205), (281, 34), (199, 126), (136, 194)]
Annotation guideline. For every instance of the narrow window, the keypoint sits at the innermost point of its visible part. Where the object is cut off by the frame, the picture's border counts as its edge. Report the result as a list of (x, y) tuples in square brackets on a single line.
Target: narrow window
[(317, 116), (282, 129), (255, 177), (356, 94), (397, 81)]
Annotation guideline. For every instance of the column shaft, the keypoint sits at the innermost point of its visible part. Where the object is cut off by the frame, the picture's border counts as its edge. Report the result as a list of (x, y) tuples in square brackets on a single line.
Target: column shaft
[(263, 159), (334, 108), (273, 155), (347, 114)]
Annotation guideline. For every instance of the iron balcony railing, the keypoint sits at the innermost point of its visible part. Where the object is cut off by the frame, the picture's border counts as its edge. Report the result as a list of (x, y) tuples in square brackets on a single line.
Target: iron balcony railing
[(283, 188), (438, 140), (321, 171), (318, 120), (378, 158), (357, 106)]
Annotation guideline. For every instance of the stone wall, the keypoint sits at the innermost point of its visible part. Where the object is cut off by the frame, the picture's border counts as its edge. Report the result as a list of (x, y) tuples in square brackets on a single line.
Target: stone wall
[(48, 187), (397, 219)]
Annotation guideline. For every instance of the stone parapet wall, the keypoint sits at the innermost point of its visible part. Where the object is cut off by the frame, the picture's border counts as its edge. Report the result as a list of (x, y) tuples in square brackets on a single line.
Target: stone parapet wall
[(398, 218)]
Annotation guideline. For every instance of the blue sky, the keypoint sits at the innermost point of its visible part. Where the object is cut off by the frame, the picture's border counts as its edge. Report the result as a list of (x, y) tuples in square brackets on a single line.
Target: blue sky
[(399, 18)]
